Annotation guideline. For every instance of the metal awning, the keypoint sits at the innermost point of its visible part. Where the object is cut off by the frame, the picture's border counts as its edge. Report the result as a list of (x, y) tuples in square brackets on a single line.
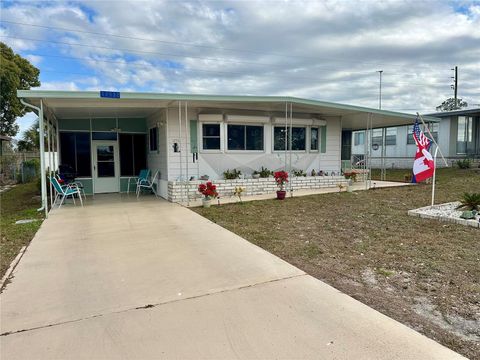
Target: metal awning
[(79, 104)]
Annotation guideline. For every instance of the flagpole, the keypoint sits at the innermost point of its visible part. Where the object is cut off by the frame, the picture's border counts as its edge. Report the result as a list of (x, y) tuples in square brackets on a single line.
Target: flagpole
[(434, 173), (432, 138)]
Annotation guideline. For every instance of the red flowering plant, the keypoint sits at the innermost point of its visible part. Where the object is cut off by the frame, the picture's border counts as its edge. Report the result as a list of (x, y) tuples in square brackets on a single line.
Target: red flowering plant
[(208, 190), (281, 178)]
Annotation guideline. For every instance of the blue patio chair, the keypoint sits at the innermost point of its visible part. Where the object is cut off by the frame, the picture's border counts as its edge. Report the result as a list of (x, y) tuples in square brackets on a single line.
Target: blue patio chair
[(65, 191), (144, 173), (75, 183), (148, 184)]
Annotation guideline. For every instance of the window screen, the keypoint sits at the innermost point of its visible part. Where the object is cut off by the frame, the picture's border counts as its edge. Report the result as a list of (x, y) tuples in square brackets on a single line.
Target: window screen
[(211, 136), (75, 152), (245, 137), (133, 154)]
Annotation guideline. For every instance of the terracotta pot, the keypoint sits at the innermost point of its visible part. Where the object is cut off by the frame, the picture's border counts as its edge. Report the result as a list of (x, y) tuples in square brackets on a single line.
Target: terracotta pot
[(206, 202), (281, 194)]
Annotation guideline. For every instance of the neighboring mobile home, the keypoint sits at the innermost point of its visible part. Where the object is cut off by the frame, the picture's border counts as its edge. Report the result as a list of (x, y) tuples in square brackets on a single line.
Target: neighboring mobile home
[(458, 135), (107, 137)]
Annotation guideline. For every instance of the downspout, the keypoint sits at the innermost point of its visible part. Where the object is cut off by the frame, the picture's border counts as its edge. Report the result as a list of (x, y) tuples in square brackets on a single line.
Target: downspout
[(42, 154)]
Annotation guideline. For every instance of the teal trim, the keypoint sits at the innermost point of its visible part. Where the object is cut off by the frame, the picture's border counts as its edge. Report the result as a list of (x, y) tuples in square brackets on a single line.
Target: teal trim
[(87, 185), (74, 124), (138, 125), (104, 124), (193, 136), (323, 139)]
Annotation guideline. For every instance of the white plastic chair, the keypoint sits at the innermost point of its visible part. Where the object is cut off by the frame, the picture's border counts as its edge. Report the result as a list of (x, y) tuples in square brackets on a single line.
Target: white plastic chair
[(148, 184)]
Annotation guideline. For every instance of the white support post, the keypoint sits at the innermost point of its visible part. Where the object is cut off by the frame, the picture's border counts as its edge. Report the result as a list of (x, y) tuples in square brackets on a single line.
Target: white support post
[(286, 132), (187, 154), (434, 173), (180, 147), (290, 147), (41, 126)]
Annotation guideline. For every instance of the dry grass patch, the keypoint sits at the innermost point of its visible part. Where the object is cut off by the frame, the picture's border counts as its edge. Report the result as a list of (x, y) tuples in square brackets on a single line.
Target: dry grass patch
[(421, 272)]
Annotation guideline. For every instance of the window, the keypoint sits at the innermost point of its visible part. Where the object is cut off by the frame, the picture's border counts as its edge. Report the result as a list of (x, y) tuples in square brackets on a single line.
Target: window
[(211, 136), (377, 136), (314, 139), (75, 152), (391, 136), (410, 139), (153, 139), (464, 133), (433, 127), (104, 135), (245, 137), (359, 138), (298, 138), (133, 154)]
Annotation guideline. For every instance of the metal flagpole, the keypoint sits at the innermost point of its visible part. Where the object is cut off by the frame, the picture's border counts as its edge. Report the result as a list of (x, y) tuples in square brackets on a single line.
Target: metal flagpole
[(434, 173), (437, 149), (433, 139)]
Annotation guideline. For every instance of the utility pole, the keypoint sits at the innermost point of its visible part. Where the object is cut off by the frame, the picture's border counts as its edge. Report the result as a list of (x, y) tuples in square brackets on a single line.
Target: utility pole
[(380, 90), (455, 86)]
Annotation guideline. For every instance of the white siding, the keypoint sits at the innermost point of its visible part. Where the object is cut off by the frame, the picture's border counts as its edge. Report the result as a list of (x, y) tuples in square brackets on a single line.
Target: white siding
[(157, 160), (182, 167)]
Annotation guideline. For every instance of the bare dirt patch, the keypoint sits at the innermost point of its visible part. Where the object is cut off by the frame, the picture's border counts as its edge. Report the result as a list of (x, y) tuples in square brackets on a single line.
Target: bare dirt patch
[(420, 272)]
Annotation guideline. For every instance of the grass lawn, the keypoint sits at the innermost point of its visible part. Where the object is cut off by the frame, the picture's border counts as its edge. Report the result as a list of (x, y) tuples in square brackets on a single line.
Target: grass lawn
[(18, 203), (424, 273)]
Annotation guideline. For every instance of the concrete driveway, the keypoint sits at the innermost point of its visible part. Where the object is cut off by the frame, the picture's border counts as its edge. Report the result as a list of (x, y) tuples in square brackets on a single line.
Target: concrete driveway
[(148, 279)]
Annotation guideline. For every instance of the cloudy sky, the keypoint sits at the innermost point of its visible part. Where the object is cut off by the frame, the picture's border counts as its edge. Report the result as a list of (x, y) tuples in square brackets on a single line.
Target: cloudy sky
[(325, 50)]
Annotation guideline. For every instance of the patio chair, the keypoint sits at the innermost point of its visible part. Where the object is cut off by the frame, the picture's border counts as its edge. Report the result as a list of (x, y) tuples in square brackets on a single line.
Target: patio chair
[(148, 184), (65, 191), (144, 173), (64, 183)]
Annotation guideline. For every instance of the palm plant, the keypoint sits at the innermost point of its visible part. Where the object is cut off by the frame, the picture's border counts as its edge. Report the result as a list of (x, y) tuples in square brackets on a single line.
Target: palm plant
[(470, 201)]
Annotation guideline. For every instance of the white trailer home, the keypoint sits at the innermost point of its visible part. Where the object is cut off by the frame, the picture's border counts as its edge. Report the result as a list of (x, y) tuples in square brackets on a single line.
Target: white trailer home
[(107, 137), (457, 134)]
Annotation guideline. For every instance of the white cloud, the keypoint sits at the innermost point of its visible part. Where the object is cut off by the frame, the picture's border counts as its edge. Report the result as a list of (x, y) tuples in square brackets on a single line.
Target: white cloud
[(326, 50)]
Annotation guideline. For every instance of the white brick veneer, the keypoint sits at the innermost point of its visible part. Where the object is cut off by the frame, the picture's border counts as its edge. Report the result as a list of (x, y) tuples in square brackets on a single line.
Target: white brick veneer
[(226, 188)]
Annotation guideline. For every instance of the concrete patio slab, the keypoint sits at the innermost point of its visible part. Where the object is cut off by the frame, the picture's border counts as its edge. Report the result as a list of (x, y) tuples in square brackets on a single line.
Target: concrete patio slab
[(149, 279)]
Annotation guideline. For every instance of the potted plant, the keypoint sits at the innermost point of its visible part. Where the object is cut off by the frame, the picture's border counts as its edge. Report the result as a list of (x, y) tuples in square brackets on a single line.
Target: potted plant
[(255, 175), (209, 192), (231, 174), (281, 178)]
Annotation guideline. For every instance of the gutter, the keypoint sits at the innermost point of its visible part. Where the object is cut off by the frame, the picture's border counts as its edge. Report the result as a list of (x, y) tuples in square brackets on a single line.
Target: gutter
[(42, 154)]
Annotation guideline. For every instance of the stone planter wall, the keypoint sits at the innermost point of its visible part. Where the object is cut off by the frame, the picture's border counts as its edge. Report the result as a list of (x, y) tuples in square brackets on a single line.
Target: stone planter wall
[(226, 188)]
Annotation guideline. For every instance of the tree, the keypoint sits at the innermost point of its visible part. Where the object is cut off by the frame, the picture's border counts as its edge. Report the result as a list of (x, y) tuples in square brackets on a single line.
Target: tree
[(16, 73), (30, 140), (449, 105)]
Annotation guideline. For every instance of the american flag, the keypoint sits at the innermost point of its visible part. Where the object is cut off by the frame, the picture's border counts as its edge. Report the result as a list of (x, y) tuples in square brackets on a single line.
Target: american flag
[(420, 139)]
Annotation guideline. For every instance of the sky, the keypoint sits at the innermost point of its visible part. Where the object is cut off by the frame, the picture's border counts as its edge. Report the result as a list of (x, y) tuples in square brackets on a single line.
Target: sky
[(323, 50)]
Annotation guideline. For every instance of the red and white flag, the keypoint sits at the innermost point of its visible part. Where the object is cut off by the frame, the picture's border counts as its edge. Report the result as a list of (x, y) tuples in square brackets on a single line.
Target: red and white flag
[(423, 166)]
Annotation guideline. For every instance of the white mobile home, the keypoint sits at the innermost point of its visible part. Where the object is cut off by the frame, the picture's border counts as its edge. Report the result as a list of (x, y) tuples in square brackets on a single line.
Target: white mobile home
[(108, 137), (457, 133)]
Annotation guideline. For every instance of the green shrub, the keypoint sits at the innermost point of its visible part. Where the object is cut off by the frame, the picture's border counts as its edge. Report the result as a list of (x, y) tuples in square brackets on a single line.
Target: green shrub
[(264, 172), (470, 201), (231, 174), (464, 163), (299, 173)]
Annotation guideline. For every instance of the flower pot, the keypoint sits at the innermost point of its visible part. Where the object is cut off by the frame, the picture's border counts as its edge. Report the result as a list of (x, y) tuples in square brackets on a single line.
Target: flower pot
[(256, 176), (206, 202), (281, 194)]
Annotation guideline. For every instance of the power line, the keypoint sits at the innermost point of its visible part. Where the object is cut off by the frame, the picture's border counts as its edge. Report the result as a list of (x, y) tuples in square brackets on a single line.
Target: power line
[(176, 43), (169, 54), (152, 66)]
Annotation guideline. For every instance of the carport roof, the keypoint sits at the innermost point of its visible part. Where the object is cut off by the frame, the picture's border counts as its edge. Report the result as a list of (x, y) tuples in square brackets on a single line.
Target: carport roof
[(68, 104)]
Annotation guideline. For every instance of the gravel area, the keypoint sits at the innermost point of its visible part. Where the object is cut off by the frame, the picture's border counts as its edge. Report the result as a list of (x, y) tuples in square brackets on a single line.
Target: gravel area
[(445, 212)]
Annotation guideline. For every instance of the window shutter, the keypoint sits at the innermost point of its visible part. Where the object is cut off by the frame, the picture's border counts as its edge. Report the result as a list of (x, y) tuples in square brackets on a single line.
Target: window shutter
[(193, 136), (323, 139)]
